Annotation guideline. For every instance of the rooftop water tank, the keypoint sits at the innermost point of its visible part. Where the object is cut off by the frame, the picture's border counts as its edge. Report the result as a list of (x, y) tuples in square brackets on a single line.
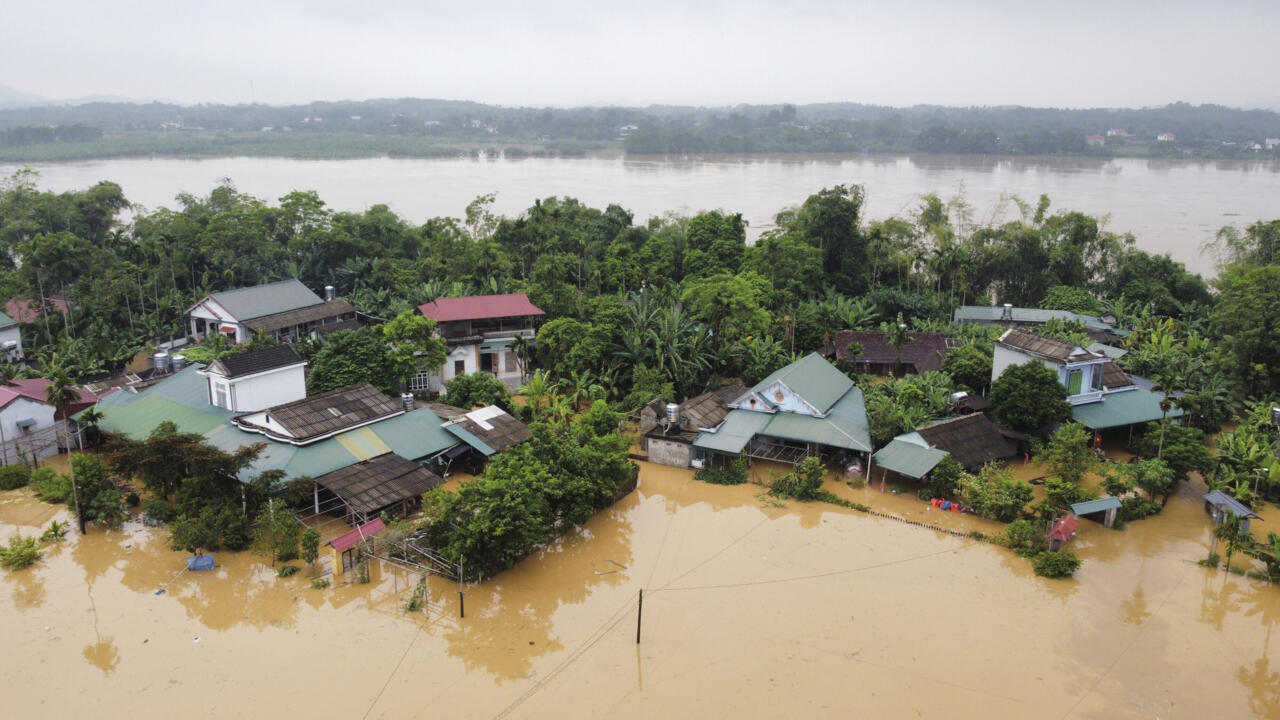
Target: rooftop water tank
[(673, 413)]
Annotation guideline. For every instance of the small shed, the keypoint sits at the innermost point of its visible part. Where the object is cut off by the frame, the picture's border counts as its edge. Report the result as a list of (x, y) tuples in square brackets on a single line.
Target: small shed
[(1063, 530), (345, 548), (382, 482), (1217, 503), (1108, 505)]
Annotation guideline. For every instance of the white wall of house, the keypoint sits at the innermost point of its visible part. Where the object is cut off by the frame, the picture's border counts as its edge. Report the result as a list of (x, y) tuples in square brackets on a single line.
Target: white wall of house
[(505, 366), (1004, 357), (260, 390), (215, 317), (264, 420), (22, 408), (8, 335)]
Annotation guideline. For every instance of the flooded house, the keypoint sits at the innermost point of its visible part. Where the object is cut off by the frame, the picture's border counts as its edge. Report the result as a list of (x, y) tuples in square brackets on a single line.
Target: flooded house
[(385, 483), (303, 436), (971, 440), (1102, 395), (808, 408), (668, 430), (1218, 504), (480, 332), (482, 432), (873, 354), (32, 429), (10, 340), (285, 310)]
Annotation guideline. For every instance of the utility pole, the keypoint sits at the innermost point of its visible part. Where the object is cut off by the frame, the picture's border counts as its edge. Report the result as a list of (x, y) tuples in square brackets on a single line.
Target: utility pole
[(639, 614), (462, 597)]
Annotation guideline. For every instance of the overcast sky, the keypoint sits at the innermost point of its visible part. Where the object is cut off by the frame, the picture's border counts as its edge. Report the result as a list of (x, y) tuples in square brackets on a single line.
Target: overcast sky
[(984, 52)]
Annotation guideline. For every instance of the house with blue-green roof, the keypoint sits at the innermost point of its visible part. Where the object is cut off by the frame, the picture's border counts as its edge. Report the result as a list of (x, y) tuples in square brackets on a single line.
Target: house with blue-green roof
[(808, 408), (10, 340), (341, 428)]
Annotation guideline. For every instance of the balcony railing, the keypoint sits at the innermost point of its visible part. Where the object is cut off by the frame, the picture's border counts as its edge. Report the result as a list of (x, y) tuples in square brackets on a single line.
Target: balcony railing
[(1085, 397)]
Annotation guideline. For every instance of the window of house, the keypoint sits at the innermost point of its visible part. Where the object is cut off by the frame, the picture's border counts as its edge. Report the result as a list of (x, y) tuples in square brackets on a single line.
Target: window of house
[(220, 396), (459, 367), (1074, 380)]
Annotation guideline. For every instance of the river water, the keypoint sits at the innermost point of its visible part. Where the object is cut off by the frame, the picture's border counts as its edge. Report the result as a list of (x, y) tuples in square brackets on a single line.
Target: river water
[(750, 610), (1172, 206)]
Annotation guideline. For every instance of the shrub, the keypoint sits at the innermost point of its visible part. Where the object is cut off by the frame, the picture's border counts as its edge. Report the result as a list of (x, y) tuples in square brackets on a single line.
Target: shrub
[(1055, 563), (995, 494), (21, 552), (14, 476), (286, 571), (53, 487), (320, 584), (55, 532), (802, 483), (1026, 537), (1136, 508), (944, 481), (735, 474), (158, 510)]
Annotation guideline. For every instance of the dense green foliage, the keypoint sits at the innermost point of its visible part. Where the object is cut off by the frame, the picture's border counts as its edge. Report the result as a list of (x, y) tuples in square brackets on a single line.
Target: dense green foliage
[(527, 495), (20, 552), (1029, 398), (1183, 449), (350, 357), (474, 390), (276, 532), (1067, 455), (802, 483), (1027, 537), (14, 476), (1056, 564), (734, 474), (995, 494)]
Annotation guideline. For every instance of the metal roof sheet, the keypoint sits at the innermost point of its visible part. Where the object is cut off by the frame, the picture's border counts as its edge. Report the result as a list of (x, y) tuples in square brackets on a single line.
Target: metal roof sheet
[(469, 438), (6, 321), (256, 361), (376, 483), (479, 307), (357, 535), (734, 433), (907, 458), (812, 378), (1225, 501), (269, 299), (1093, 506), (1127, 407)]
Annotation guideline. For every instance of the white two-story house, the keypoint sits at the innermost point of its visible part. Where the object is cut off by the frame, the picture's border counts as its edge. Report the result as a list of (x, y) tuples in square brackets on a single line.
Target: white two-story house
[(1102, 395), (256, 380), (479, 331), (285, 310)]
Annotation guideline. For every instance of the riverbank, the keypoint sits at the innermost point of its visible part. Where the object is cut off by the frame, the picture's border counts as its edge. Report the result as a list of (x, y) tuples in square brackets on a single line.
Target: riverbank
[(749, 609)]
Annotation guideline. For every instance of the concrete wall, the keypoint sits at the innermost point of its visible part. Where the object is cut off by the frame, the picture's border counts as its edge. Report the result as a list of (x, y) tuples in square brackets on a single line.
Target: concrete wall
[(277, 387), (39, 440), (667, 452)]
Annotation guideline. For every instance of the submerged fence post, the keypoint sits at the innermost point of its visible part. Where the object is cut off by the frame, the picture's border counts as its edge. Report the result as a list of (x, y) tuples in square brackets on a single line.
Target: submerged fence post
[(639, 614)]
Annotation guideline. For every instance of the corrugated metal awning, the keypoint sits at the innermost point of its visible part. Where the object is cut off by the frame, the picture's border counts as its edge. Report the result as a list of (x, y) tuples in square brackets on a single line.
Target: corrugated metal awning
[(1093, 506), (908, 458)]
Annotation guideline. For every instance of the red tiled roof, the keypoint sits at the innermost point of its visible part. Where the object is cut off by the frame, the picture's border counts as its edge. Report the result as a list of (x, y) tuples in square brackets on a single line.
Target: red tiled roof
[(357, 535), (34, 389), (480, 307), (20, 309)]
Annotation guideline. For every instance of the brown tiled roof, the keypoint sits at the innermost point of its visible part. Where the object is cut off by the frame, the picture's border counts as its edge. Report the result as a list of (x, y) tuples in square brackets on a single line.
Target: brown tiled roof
[(328, 413), (301, 316), (924, 352), (379, 482), (1113, 377), (1044, 346), (972, 440), (256, 361), (448, 412), (710, 408), (506, 431)]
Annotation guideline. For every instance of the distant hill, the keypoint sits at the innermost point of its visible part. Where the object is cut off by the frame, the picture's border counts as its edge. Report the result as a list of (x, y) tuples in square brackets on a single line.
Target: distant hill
[(15, 98)]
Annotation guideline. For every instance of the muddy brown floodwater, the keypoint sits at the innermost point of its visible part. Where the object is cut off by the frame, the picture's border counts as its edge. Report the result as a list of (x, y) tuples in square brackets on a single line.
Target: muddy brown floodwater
[(749, 610)]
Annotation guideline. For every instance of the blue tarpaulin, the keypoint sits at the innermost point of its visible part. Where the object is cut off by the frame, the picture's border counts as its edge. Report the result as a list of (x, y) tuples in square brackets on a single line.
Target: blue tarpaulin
[(200, 562)]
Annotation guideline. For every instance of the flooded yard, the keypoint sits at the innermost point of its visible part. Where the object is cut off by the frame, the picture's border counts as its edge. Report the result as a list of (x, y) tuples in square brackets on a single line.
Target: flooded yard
[(749, 610)]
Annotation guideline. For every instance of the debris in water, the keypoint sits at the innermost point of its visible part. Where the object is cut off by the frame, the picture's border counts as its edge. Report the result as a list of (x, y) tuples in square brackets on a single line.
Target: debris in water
[(197, 639), (159, 592)]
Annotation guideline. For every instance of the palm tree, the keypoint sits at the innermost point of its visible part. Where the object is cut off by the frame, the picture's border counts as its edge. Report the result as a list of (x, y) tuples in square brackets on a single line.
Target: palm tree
[(62, 394), (520, 346), (536, 390), (1166, 385), (898, 338)]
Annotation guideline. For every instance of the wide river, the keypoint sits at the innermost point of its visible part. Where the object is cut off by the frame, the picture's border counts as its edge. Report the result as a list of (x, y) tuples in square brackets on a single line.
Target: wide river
[(1172, 206)]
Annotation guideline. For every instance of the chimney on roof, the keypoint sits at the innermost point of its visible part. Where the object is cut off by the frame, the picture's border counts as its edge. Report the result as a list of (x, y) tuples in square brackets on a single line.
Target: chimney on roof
[(1006, 315), (328, 293)]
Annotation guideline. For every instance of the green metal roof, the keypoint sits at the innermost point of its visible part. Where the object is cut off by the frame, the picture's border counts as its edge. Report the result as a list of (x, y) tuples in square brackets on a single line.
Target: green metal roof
[(908, 458), (845, 426), (812, 378), (1093, 506), (182, 399), (269, 299), (1114, 353), (469, 438), (1118, 409), (6, 321), (734, 433)]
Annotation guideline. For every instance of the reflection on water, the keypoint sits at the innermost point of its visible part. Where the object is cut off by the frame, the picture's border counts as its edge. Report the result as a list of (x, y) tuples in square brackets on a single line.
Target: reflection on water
[(749, 609)]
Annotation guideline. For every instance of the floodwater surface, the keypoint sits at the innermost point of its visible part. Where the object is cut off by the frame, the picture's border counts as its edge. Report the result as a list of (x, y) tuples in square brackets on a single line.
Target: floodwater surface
[(749, 610), (1172, 206)]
